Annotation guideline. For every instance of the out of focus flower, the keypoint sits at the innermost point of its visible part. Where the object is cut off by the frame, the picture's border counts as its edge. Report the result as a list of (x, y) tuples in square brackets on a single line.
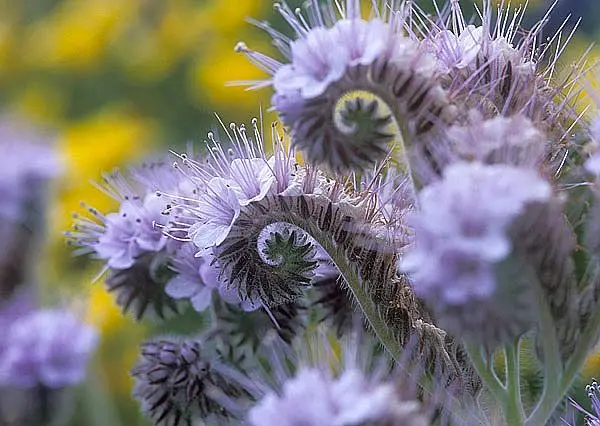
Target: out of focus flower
[(49, 348), (462, 235), (314, 398), (333, 382), (28, 161)]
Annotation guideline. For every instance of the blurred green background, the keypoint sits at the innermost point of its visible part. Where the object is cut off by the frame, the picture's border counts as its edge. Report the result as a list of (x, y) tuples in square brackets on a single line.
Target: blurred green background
[(116, 80)]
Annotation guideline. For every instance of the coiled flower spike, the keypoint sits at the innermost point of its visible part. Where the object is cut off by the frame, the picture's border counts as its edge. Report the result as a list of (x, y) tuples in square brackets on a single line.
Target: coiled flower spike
[(348, 87), (267, 236)]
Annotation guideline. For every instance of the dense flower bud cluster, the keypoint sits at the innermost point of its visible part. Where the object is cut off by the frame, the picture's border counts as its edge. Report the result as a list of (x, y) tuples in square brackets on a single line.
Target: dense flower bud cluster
[(430, 185)]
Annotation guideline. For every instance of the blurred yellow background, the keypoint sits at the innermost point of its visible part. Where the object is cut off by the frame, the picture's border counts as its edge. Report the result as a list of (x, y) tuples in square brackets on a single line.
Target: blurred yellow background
[(116, 80)]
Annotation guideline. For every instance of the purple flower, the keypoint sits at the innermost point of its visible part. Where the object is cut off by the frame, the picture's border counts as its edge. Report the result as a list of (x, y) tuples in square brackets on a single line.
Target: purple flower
[(330, 61), (138, 227), (50, 348), (323, 55), (461, 237), (458, 51), (19, 304), (196, 280), (231, 180), (362, 393), (593, 393), (313, 398), (132, 231), (27, 161), (218, 210), (135, 241)]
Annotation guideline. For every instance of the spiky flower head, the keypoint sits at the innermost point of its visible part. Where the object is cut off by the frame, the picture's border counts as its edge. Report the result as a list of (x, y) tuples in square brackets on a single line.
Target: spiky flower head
[(349, 382), (132, 241), (314, 398), (460, 262), (234, 214), (347, 85), (497, 66), (180, 382), (48, 348)]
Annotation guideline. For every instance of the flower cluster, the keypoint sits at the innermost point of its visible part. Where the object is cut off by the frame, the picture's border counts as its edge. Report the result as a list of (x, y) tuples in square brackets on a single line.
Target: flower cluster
[(131, 240), (438, 202)]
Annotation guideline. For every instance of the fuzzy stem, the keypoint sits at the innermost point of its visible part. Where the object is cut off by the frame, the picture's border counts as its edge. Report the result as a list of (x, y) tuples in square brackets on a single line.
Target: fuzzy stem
[(487, 375), (366, 304), (553, 372), (408, 169), (548, 403), (514, 412)]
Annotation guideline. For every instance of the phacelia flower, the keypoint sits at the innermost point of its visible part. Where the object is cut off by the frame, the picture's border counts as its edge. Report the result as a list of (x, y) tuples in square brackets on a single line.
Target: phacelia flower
[(50, 348), (196, 279), (233, 206), (362, 391), (500, 69), (132, 231), (461, 237), (314, 398), (180, 382), (330, 63), (132, 241)]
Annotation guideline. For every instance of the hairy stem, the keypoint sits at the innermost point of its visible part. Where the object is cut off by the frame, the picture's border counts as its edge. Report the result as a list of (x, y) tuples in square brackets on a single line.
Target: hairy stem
[(553, 372), (487, 375), (514, 412), (366, 304)]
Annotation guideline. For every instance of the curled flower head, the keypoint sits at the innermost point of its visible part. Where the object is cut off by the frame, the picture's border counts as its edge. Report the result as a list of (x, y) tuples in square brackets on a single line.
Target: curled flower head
[(181, 381), (349, 85), (50, 348), (233, 207), (462, 239)]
